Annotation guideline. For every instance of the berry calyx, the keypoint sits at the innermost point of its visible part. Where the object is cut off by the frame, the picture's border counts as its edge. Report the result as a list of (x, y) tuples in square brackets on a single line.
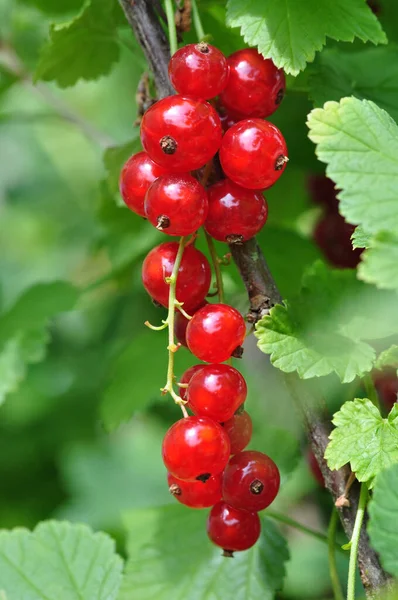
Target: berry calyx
[(255, 87), (194, 275), (232, 529), (239, 430), (176, 204), (196, 494), (215, 332), (235, 213), (251, 481), (198, 70), (186, 378), (216, 391), (137, 175), (194, 448), (253, 154), (181, 133)]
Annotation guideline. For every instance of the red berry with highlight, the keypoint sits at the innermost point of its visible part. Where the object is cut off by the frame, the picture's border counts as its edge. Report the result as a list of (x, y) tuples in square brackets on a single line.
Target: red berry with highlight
[(216, 391), (251, 481), (194, 275), (137, 175), (196, 494), (186, 378), (235, 214), (215, 332), (232, 529), (253, 154), (255, 85), (194, 448), (239, 430), (198, 70), (181, 133), (181, 324), (176, 204)]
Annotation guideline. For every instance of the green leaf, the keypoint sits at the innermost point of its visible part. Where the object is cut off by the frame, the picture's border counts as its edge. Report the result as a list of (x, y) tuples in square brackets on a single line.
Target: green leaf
[(379, 264), (291, 32), (383, 524), (371, 74), (85, 48), (388, 358), (360, 239), (359, 143), (59, 560), (7, 79), (170, 556), (364, 439), (114, 159), (55, 8)]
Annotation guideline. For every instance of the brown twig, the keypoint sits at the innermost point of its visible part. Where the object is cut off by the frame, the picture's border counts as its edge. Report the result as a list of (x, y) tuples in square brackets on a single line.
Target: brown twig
[(263, 294)]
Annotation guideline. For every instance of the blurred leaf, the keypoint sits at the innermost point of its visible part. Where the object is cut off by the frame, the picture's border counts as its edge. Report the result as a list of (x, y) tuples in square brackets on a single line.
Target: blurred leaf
[(388, 358), (371, 74), (114, 159), (169, 554), (280, 444), (54, 8), (379, 264), (59, 560), (85, 48), (290, 33), (364, 439), (7, 79), (360, 239), (359, 143), (383, 524), (288, 199)]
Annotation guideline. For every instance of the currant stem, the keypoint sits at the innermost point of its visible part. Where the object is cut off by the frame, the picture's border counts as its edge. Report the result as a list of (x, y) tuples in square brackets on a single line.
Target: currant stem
[(334, 576), (171, 26), (370, 389), (363, 498), (197, 23), (216, 266)]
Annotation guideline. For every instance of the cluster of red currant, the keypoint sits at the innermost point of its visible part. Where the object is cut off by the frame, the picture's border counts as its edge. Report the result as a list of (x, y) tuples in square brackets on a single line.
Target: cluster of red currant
[(204, 453)]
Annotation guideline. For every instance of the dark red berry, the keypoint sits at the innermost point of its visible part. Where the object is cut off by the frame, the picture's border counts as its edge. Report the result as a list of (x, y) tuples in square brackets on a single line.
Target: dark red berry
[(193, 280), (196, 494), (194, 448), (314, 468), (216, 391), (239, 430), (180, 133), (226, 119), (232, 529), (176, 204), (235, 214), (198, 70), (333, 236), (387, 386), (255, 85), (215, 332), (181, 324), (186, 378), (322, 191), (253, 154), (251, 481), (137, 175)]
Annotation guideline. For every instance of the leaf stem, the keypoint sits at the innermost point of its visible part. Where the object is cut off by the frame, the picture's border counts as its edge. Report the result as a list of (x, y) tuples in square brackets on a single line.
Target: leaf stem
[(334, 577), (171, 24), (370, 389), (363, 498), (216, 265), (197, 23)]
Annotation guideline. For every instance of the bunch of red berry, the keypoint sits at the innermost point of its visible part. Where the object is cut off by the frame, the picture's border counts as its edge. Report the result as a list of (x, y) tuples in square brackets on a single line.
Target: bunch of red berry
[(181, 135)]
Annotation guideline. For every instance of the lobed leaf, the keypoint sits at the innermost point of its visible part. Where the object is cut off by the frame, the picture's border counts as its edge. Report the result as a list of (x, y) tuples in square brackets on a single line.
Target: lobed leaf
[(379, 264)]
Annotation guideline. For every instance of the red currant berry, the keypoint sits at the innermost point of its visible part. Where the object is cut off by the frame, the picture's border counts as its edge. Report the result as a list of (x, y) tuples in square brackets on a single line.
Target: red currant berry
[(181, 324), (322, 191), (186, 378), (176, 204), (196, 494), (198, 70), (333, 236), (387, 385), (251, 481), (215, 332), (216, 391), (235, 213), (181, 134), (195, 448), (193, 280), (137, 175), (233, 529), (314, 468), (239, 430), (255, 86), (253, 154)]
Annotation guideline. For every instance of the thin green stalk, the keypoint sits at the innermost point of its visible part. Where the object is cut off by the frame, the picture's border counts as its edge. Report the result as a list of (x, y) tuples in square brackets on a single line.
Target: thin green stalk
[(363, 498), (292, 523), (171, 24), (216, 265), (334, 576), (197, 23), (370, 389)]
